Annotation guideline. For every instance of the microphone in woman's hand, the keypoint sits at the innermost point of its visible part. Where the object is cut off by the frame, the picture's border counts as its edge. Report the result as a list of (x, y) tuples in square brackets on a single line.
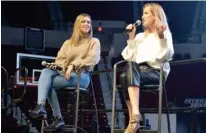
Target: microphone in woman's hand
[(138, 23), (44, 63)]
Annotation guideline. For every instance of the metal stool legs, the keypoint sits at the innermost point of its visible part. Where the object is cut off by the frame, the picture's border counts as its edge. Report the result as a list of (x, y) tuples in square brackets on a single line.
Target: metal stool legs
[(114, 95), (161, 88), (160, 100), (95, 105), (167, 109), (159, 105), (42, 125), (77, 103), (74, 128)]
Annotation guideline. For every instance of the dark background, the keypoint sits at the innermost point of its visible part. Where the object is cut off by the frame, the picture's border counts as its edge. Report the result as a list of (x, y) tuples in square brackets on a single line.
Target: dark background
[(36, 14)]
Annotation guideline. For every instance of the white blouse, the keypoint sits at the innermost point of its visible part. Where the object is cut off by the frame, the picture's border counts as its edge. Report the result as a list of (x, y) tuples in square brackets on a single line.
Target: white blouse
[(151, 50)]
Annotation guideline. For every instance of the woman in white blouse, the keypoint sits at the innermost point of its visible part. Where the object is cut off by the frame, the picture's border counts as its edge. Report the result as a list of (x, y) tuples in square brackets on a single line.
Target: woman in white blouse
[(145, 52)]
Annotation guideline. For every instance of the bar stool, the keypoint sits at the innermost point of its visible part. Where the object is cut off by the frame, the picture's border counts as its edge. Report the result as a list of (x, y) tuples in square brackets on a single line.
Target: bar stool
[(77, 91), (146, 88)]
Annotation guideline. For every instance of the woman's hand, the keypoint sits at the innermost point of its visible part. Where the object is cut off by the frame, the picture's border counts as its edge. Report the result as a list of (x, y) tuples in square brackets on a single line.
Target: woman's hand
[(51, 66), (68, 72), (160, 29), (132, 33)]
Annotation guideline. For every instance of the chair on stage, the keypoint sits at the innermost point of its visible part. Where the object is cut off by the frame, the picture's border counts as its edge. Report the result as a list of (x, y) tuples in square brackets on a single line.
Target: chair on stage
[(75, 93), (157, 88), (153, 88)]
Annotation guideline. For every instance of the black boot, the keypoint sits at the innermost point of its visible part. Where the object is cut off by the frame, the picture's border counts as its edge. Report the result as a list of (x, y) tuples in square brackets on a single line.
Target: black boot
[(57, 124), (38, 113)]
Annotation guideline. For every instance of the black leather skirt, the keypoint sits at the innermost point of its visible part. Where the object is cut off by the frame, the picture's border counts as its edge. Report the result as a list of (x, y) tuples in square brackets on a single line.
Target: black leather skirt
[(138, 75)]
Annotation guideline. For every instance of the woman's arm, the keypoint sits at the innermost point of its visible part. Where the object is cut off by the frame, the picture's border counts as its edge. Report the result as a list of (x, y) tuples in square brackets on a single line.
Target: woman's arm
[(128, 51), (167, 50), (61, 56)]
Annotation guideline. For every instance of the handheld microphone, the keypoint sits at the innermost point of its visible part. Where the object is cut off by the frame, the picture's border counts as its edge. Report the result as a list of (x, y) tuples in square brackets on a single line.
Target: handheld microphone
[(138, 23), (44, 63)]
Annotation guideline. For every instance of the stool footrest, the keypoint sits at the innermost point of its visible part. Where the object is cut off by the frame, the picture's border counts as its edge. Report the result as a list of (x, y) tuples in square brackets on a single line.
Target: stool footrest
[(70, 128)]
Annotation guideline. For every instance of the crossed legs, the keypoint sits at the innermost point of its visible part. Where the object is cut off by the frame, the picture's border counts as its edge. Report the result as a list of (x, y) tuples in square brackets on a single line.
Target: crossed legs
[(133, 109), (130, 82)]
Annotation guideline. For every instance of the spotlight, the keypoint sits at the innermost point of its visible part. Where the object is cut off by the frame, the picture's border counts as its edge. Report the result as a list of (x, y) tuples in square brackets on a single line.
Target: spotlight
[(100, 27)]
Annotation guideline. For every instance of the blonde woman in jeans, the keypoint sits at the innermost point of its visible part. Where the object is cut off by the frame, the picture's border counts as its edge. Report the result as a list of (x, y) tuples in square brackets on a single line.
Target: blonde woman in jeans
[(81, 51)]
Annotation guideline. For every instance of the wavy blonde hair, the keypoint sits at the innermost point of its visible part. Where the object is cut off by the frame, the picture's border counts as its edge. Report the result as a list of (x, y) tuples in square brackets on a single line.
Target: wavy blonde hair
[(77, 35), (158, 13)]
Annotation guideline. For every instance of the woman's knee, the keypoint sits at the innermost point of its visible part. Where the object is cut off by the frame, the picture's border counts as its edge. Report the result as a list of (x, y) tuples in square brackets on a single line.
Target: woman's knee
[(48, 72), (84, 81), (123, 81), (122, 76), (133, 87)]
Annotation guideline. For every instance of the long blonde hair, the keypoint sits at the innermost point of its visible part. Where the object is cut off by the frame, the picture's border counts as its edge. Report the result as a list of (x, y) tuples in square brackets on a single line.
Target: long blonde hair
[(77, 35), (158, 13)]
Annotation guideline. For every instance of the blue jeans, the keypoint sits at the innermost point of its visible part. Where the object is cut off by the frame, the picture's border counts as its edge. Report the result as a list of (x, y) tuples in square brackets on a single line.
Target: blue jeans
[(50, 80)]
